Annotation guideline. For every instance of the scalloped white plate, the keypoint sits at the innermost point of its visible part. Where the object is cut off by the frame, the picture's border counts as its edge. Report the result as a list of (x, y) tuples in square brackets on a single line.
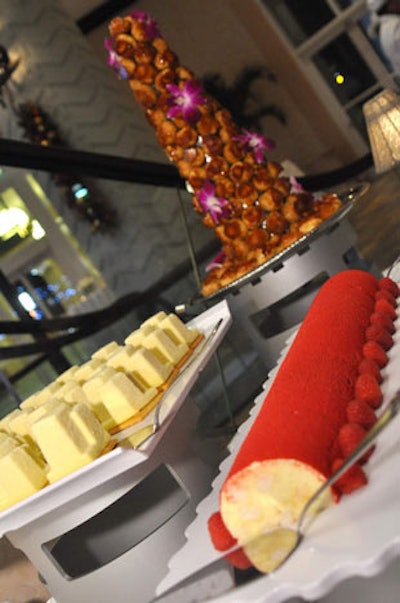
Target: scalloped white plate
[(357, 537)]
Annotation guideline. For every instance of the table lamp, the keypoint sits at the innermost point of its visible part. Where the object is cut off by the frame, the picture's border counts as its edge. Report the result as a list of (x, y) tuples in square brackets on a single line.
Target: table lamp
[(382, 116)]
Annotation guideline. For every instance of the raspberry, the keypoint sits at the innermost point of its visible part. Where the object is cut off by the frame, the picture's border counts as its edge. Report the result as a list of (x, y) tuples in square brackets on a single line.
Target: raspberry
[(367, 389), (382, 305), (374, 351), (380, 335), (382, 320), (351, 480), (221, 538), (383, 294), (239, 559), (370, 367), (350, 435), (360, 412), (388, 284)]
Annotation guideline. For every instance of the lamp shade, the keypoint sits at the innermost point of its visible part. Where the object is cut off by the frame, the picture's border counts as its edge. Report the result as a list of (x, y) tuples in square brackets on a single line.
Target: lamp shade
[(382, 116)]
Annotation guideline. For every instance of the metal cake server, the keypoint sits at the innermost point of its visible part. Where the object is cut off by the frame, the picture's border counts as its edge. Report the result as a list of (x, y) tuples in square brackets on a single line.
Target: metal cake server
[(212, 580)]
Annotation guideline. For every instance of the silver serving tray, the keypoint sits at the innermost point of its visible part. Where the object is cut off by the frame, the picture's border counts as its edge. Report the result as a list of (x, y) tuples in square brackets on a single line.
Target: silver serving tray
[(349, 196)]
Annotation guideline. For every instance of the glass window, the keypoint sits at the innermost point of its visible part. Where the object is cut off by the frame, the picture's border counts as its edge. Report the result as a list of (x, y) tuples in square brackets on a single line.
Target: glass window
[(344, 69), (300, 19)]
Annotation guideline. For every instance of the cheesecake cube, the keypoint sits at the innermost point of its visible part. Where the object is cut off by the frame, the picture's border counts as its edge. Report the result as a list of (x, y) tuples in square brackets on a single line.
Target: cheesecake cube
[(20, 476), (69, 438), (142, 364)]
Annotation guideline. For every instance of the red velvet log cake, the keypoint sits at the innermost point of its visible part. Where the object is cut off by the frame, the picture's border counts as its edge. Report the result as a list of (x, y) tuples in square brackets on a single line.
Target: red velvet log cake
[(319, 406)]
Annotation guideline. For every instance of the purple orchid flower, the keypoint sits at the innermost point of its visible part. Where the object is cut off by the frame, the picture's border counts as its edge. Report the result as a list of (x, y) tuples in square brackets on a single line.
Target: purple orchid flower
[(114, 60), (215, 206), (256, 143), (296, 187), (151, 29), (216, 262), (185, 102)]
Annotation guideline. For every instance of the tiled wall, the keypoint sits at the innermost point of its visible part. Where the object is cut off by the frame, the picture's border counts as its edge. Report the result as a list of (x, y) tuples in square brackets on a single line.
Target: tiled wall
[(95, 112)]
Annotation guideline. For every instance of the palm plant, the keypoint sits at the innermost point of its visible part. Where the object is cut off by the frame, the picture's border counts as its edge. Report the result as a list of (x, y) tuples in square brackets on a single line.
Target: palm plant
[(239, 97)]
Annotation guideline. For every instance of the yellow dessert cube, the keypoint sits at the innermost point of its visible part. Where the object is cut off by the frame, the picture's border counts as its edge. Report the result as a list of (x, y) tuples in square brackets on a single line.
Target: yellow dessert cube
[(5, 421), (137, 337), (88, 369), (69, 437), (154, 320), (95, 437), (7, 443), (104, 352), (91, 389), (33, 401), (20, 476), (19, 430), (158, 342), (47, 392), (177, 329), (40, 411), (71, 392), (123, 398), (40, 397), (115, 397), (19, 422), (145, 366), (68, 374)]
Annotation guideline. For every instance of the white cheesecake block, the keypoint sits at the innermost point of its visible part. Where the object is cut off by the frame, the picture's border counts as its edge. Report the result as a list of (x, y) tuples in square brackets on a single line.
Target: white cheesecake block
[(20, 476), (115, 397), (137, 337), (69, 438), (33, 401), (106, 351), (158, 342), (142, 364), (122, 398), (18, 422), (177, 329), (7, 443), (40, 397), (68, 374), (40, 411), (91, 391), (96, 438), (86, 370), (19, 430), (5, 421), (72, 393), (154, 321)]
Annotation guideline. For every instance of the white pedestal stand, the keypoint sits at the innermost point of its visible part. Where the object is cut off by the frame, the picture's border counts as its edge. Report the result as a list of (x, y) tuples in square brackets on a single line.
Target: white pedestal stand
[(285, 292), (133, 574)]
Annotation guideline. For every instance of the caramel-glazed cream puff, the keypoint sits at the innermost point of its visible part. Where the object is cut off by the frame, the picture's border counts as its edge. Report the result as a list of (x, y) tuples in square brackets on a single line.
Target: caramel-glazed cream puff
[(227, 167)]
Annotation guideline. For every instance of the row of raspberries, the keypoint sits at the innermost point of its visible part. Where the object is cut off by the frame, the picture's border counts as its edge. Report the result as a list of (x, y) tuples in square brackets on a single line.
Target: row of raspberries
[(361, 411)]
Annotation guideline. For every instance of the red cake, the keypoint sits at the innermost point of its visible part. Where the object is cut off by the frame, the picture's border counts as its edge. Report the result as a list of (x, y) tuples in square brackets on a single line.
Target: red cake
[(318, 408), (240, 194)]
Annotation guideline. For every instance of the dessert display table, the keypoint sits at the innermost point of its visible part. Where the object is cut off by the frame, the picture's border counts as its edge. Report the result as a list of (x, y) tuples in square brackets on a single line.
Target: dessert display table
[(109, 528)]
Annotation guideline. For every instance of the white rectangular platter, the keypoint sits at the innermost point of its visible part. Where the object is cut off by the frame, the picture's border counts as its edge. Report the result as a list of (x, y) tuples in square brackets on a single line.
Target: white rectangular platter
[(121, 458)]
